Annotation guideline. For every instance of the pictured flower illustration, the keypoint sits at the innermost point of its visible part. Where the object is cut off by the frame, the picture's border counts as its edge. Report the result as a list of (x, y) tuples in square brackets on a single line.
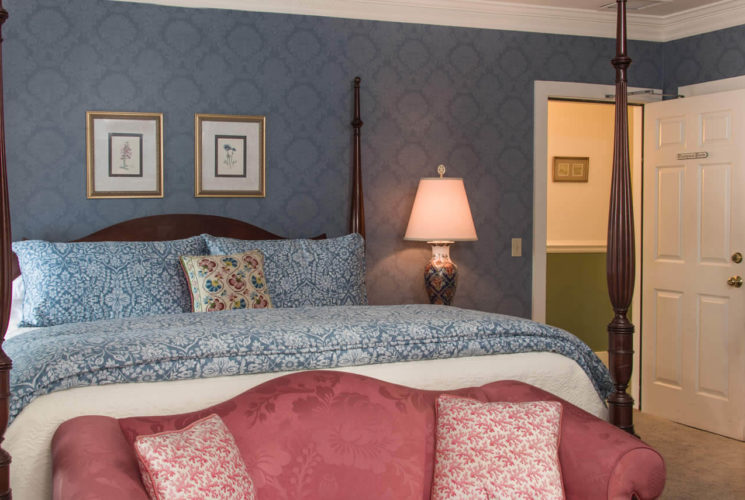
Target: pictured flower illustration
[(214, 304), (259, 301), (125, 154), (212, 285), (237, 281), (230, 160), (206, 266)]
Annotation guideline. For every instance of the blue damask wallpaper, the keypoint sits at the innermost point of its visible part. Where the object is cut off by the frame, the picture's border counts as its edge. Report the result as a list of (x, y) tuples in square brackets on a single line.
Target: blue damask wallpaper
[(431, 94), (702, 58)]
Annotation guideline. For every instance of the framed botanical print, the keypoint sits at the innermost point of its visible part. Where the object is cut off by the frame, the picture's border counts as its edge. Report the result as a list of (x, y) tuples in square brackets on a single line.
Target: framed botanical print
[(124, 154), (571, 168), (229, 157)]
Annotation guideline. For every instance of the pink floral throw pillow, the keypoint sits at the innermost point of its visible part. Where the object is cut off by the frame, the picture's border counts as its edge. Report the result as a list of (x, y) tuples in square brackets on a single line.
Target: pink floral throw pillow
[(197, 462), (497, 450), (219, 282)]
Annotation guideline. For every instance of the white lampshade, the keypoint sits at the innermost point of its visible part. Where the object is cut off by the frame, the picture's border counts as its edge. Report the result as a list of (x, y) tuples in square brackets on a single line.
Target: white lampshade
[(441, 212)]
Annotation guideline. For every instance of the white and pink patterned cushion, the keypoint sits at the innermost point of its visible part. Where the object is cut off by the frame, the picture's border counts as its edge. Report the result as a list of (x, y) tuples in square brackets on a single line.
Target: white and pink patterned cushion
[(497, 450), (199, 461)]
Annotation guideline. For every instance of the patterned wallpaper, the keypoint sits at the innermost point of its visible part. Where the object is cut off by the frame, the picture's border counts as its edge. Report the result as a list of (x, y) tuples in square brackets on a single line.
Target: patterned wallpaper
[(431, 95), (702, 58)]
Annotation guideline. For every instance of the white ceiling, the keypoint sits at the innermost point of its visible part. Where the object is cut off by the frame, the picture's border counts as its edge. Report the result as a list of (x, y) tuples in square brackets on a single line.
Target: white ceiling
[(646, 7), (652, 20)]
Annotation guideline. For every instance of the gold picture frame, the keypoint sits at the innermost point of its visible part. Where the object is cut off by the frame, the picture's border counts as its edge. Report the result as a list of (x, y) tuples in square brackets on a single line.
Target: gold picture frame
[(229, 156), (571, 169), (124, 154)]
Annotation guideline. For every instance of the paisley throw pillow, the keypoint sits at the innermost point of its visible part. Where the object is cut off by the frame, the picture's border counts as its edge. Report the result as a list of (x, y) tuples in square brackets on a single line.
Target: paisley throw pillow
[(497, 450), (328, 272), (221, 282), (198, 461)]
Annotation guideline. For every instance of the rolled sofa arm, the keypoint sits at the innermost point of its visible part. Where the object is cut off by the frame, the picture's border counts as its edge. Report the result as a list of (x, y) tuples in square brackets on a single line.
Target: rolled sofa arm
[(92, 459), (598, 460)]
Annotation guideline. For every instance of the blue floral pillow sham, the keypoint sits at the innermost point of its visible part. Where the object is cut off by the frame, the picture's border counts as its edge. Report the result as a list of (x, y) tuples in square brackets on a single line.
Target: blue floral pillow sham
[(300, 272), (88, 281)]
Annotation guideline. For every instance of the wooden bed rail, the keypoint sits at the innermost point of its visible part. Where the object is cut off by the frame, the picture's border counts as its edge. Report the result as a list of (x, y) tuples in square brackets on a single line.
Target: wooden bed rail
[(5, 283), (620, 256)]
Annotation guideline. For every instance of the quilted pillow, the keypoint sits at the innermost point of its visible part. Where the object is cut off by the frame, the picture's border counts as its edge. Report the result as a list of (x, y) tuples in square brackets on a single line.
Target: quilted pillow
[(300, 272), (497, 450), (75, 282), (218, 282), (198, 461)]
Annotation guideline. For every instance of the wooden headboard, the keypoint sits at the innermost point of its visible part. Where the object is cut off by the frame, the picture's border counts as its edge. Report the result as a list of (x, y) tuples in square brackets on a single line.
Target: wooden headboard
[(173, 227)]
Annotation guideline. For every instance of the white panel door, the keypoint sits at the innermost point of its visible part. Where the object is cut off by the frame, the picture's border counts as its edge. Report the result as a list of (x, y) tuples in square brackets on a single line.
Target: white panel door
[(693, 320)]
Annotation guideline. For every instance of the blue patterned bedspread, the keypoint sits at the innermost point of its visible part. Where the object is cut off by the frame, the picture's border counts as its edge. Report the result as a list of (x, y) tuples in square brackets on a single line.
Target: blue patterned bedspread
[(196, 345)]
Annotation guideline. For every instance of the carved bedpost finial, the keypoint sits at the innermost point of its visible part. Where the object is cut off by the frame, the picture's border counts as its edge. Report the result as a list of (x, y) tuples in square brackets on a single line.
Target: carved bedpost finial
[(620, 258), (5, 287)]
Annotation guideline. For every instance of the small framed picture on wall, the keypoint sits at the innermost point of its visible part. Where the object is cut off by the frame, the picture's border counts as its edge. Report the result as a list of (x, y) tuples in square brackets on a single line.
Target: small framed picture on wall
[(124, 154), (571, 168), (229, 157)]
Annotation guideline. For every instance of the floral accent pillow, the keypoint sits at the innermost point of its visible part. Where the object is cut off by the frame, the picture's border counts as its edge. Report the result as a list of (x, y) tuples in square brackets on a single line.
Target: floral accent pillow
[(88, 281), (299, 272), (497, 450), (220, 282), (201, 460)]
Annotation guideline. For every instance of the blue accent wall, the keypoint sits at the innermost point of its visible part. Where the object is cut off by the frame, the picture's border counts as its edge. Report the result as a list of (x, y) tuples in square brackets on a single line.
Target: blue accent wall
[(702, 58), (431, 95)]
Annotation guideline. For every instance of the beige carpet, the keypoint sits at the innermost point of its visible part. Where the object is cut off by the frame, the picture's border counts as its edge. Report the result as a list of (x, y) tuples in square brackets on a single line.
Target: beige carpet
[(700, 465)]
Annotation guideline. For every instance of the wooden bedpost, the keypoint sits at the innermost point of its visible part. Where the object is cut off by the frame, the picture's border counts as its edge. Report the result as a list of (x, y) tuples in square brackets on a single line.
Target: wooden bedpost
[(620, 256), (357, 220), (5, 286)]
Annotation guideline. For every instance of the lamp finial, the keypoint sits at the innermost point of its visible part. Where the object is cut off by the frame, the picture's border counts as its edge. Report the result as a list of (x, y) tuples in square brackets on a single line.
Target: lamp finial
[(441, 170)]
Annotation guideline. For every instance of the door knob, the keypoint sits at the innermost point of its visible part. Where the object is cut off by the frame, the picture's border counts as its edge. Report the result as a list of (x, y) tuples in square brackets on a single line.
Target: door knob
[(737, 257), (735, 281)]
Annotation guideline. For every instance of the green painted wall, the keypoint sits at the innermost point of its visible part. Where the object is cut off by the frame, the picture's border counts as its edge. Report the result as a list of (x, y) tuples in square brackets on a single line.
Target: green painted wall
[(577, 296)]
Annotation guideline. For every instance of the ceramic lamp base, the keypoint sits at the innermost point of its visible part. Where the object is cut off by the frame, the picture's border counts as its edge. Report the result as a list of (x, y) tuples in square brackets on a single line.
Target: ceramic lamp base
[(441, 275)]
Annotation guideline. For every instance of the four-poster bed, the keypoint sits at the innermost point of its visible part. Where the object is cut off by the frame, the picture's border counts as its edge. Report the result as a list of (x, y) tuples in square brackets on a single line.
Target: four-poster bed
[(157, 228), (620, 259)]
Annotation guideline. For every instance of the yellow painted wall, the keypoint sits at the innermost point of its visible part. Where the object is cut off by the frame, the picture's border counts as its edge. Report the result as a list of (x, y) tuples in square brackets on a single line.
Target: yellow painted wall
[(577, 218)]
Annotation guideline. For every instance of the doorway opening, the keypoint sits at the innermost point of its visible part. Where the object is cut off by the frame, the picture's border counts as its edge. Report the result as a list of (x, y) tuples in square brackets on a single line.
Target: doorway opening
[(543, 91), (579, 170)]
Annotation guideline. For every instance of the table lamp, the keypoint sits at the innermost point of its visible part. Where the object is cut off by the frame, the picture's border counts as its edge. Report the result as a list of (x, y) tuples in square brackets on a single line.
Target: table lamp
[(441, 216)]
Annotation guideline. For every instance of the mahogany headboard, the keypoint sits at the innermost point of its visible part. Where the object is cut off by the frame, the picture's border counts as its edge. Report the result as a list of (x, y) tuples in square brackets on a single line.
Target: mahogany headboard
[(174, 227)]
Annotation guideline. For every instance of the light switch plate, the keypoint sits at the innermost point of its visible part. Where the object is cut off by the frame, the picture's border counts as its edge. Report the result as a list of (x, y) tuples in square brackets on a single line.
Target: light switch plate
[(517, 247)]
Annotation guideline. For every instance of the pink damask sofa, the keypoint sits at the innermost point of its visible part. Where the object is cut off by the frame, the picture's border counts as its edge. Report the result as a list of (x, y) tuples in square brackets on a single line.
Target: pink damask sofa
[(328, 435)]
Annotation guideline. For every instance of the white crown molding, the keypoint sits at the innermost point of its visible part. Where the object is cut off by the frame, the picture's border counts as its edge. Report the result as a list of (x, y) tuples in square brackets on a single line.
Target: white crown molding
[(712, 17), (491, 14)]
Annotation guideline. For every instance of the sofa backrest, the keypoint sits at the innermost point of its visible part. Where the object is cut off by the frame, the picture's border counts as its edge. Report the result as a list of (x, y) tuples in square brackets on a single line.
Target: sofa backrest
[(330, 434)]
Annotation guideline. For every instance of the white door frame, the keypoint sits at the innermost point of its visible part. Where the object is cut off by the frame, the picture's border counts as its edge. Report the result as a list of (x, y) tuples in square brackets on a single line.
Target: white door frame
[(734, 83), (543, 90)]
